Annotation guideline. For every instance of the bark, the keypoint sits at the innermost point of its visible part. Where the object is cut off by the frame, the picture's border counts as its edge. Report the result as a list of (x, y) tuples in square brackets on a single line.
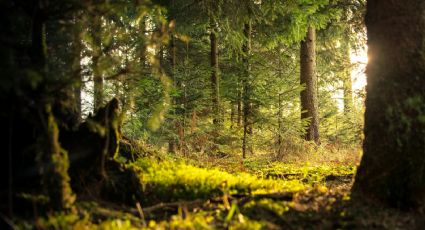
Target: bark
[(393, 165), (55, 174), (142, 45), (53, 160), (246, 94), (93, 148), (47, 162), (93, 143), (280, 126), (309, 80), (38, 50), (173, 48), (232, 114), (239, 105)]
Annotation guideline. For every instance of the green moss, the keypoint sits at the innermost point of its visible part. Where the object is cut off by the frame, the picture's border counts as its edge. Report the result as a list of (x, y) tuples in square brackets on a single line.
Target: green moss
[(404, 118), (169, 180), (57, 178)]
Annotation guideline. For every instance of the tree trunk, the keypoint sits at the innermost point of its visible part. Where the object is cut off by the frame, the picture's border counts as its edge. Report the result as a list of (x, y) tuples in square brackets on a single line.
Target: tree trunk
[(97, 72), (393, 165), (239, 105), (53, 160), (246, 94), (280, 125), (215, 79), (309, 80), (175, 121), (232, 114), (55, 175), (143, 45)]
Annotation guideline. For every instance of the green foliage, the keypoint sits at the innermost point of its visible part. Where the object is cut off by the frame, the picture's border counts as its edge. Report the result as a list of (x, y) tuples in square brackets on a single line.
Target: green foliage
[(308, 174), (278, 28), (174, 180), (166, 102)]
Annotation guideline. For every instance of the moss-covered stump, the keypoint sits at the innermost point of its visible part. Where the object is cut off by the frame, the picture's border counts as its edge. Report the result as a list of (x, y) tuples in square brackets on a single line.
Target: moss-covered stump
[(93, 150)]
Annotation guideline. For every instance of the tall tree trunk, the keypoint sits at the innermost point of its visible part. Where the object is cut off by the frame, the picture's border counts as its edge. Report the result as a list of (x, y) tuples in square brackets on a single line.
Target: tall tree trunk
[(55, 175), (239, 105), (232, 114), (393, 165), (142, 44), (97, 53), (53, 162), (246, 94), (347, 82), (215, 79), (309, 80), (280, 125), (173, 48)]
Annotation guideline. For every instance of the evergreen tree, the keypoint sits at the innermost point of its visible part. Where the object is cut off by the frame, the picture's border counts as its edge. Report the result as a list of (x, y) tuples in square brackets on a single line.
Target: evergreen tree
[(393, 147), (309, 105)]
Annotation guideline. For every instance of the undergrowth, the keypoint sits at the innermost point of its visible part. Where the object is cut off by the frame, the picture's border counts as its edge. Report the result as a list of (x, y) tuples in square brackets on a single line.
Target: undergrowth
[(168, 180), (227, 192)]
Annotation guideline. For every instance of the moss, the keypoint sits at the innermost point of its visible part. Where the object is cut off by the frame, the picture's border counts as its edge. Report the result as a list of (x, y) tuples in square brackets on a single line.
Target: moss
[(169, 181), (57, 178)]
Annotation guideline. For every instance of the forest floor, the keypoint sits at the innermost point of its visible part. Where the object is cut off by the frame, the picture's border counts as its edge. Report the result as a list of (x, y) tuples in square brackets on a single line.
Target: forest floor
[(226, 192)]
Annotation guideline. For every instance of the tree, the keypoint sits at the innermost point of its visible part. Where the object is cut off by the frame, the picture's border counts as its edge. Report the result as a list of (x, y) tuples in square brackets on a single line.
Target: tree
[(393, 163), (246, 94), (76, 66), (33, 141), (309, 79), (215, 79)]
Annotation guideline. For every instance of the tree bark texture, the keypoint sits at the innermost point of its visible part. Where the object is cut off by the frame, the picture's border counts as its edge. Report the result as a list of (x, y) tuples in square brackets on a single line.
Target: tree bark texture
[(56, 180), (53, 162), (392, 170), (174, 121), (246, 94), (239, 105), (309, 80)]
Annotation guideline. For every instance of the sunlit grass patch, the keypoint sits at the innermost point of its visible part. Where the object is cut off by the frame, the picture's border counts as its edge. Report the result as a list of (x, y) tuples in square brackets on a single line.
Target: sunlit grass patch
[(314, 173), (175, 180)]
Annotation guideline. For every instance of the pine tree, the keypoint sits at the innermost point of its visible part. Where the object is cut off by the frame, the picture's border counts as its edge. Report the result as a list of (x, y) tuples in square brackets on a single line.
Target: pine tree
[(309, 105), (393, 160)]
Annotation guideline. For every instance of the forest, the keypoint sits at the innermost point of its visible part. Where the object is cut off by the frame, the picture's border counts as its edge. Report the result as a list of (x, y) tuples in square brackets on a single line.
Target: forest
[(212, 114)]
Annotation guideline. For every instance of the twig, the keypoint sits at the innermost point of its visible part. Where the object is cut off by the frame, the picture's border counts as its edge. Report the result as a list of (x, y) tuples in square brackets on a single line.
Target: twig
[(275, 196), (142, 215), (240, 199), (8, 221)]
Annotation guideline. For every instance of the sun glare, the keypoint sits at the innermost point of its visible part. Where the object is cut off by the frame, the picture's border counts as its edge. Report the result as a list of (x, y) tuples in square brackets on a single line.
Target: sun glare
[(359, 60)]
